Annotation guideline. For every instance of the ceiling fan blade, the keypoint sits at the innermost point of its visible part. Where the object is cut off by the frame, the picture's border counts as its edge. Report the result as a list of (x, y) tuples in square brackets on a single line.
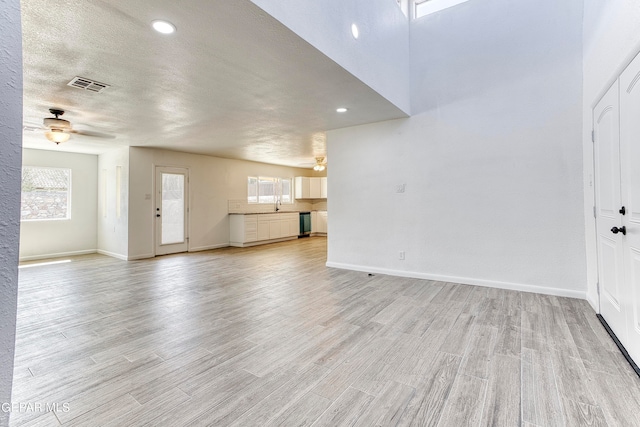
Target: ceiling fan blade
[(93, 134), (32, 127)]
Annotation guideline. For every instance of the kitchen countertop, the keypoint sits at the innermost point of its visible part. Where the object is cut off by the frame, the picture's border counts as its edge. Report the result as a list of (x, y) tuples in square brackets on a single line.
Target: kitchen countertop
[(263, 213)]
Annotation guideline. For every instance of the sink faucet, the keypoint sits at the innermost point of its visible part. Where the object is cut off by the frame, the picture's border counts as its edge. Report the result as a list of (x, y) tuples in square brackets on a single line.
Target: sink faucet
[(278, 201)]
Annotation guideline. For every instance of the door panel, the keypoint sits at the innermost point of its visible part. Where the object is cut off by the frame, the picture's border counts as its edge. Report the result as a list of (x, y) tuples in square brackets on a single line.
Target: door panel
[(610, 280), (274, 229), (263, 230), (608, 202), (634, 281), (171, 210), (630, 185)]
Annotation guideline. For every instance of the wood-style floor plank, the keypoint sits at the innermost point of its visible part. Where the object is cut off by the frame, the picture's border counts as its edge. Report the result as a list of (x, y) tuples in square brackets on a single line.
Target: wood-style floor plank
[(346, 410), (270, 336), (502, 407), (540, 396), (465, 402), (425, 408)]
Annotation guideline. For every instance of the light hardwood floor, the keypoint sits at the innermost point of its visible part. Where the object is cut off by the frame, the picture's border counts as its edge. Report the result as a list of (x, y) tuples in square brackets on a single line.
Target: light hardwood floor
[(270, 336)]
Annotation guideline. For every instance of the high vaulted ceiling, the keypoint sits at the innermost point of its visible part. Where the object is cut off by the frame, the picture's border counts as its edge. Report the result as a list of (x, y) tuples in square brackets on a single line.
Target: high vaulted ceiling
[(231, 82)]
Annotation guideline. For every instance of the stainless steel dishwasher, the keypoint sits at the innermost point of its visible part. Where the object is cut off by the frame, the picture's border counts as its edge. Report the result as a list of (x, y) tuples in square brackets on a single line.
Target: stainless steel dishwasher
[(305, 224)]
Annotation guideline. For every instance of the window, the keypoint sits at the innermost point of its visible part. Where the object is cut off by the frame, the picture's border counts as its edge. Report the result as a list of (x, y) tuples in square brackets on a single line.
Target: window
[(425, 7), (404, 6), (46, 193), (269, 190)]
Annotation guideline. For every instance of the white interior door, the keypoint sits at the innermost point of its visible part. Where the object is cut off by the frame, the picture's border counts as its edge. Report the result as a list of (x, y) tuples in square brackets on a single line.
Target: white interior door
[(608, 203), (171, 214), (630, 179)]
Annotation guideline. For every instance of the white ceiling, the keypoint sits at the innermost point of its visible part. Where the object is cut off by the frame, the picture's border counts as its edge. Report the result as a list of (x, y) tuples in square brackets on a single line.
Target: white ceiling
[(231, 82)]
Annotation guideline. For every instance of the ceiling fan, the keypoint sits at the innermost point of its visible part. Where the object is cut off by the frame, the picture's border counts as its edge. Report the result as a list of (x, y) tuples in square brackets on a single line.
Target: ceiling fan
[(320, 165), (59, 130)]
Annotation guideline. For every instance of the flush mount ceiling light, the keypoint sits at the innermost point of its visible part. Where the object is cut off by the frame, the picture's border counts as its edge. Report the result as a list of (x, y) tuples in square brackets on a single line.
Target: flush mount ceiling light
[(320, 165), (355, 32), (342, 110), (164, 27)]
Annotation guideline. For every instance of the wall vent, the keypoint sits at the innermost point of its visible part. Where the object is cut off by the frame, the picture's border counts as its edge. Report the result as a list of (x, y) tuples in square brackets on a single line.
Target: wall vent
[(87, 84)]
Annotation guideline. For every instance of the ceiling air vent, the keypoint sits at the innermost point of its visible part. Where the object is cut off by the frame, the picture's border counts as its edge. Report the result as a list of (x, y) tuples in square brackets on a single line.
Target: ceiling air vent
[(87, 84)]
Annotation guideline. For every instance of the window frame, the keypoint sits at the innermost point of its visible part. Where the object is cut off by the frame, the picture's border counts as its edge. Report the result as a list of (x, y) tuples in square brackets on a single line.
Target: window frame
[(69, 192), (277, 197), (435, 6)]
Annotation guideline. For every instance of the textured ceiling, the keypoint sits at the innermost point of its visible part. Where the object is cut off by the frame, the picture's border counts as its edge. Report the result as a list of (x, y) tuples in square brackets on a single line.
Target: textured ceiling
[(231, 82)]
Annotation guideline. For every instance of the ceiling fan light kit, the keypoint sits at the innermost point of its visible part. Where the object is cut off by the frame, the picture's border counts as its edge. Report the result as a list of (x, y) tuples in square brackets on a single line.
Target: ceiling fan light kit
[(57, 136), (320, 165), (59, 130), (57, 127)]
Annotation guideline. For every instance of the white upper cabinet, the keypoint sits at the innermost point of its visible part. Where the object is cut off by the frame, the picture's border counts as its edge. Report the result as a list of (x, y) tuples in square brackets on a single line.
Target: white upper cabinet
[(302, 186), (310, 187), (323, 187), (314, 188)]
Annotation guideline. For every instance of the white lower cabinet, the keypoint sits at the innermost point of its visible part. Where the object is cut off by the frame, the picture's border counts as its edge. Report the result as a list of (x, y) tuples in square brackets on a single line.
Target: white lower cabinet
[(319, 222), (255, 229), (294, 225), (322, 222), (263, 229), (243, 228), (275, 229)]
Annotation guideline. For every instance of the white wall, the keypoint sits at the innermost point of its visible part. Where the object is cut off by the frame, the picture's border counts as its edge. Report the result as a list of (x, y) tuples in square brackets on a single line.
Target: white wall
[(484, 49), (492, 164), (44, 239), (10, 173), (611, 40), (214, 181), (380, 56), (113, 223)]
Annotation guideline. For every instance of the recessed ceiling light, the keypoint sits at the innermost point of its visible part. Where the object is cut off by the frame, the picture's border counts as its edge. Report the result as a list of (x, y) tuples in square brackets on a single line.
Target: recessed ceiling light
[(163, 27), (342, 110), (354, 31)]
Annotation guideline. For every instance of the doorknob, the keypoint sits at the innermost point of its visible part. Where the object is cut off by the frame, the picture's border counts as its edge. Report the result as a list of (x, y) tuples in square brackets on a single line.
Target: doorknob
[(158, 216), (616, 230), (622, 210)]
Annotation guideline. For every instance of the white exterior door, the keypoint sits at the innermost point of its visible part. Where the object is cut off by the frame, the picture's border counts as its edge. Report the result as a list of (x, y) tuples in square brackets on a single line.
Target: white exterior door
[(608, 203), (171, 211), (630, 179)]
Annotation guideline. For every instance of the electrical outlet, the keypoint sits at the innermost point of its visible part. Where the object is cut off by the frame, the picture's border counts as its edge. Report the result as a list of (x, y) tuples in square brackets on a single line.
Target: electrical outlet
[(400, 188), (401, 255)]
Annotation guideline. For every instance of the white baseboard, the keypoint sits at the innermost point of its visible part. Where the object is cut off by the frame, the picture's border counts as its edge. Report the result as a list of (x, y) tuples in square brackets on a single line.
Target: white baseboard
[(112, 254), (209, 247), (463, 280), (143, 256), (147, 256), (58, 255), (261, 242), (591, 299)]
